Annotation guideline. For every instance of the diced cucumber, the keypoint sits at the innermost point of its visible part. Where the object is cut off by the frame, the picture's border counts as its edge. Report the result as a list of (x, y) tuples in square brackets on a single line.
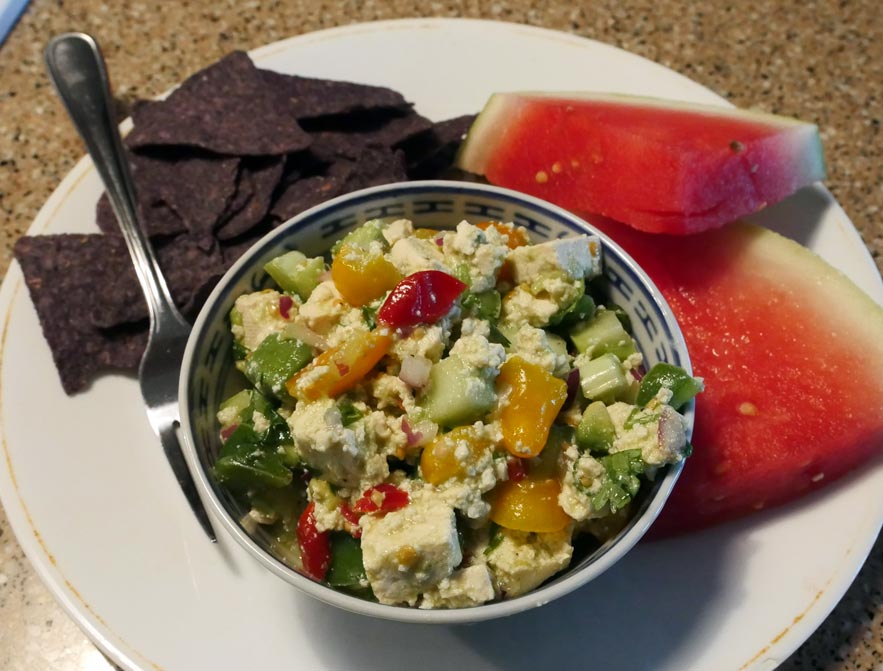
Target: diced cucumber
[(603, 378), (363, 236), (457, 394), (485, 305), (461, 272), (274, 361), (235, 316), (675, 378), (602, 334), (296, 273), (621, 315), (557, 344), (595, 432)]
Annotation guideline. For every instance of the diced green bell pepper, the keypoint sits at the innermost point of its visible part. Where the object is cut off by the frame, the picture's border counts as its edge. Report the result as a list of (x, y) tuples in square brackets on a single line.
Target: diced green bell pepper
[(683, 386)]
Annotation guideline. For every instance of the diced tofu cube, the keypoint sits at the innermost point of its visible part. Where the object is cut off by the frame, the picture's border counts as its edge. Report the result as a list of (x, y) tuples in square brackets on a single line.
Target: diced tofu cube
[(523, 561), (466, 587), (342, 454), (577, 257), (410, 551)]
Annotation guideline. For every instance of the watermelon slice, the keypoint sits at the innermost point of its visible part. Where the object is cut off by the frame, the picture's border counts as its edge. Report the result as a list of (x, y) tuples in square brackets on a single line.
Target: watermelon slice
[(660, 166), (792, 356)]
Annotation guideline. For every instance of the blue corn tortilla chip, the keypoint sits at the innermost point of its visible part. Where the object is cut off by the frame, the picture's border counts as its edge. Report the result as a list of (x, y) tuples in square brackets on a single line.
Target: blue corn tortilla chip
[(258, 179), (308, 98), (65, 275), (395, 129), (176, 191), (434, 155), (226, 108)]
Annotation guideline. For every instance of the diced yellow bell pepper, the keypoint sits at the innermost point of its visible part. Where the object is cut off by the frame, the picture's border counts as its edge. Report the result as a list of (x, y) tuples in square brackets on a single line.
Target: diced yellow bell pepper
[(530, 504), (439, 461), (517, 236), (534, 397), (339, 368), (362, 275)]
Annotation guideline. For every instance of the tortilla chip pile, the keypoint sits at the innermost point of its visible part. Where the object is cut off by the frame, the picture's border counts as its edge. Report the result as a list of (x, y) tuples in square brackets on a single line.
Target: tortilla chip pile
[(231, 154)]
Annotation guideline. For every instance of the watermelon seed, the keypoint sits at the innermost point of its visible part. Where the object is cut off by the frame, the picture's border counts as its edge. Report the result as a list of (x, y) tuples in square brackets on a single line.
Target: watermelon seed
[(737, 146), (818, 477), (748, 409), (542, 177), (557, 167)]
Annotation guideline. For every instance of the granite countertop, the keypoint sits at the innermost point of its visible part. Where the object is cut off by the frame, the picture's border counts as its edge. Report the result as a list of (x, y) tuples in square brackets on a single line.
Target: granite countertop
[(820, 61)]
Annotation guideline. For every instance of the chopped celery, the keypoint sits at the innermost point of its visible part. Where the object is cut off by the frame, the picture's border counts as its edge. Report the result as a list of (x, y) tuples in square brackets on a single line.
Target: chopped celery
[(461, 272), (484, 305), (296, 273), (602, 334), (274, 361), (346, 569), (682, 386), (621, 315), (595, 432), (602, 379), (457, 394)]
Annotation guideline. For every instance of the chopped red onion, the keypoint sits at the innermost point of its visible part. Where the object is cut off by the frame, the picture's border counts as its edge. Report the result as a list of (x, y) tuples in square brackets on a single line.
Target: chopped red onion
[(415, 371), (285, 305)]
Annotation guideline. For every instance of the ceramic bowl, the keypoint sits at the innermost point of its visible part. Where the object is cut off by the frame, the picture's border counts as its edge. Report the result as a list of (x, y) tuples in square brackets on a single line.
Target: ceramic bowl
[(208, 375)]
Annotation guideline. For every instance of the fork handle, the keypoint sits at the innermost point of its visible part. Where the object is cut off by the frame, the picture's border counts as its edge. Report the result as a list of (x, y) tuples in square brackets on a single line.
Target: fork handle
[(78, 73)]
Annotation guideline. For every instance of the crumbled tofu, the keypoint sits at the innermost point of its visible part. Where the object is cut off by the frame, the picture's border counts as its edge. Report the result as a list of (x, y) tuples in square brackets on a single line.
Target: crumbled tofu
[(385, 432), (228, 416), (389, 391), (428, 341), (523, 560), (482, 253), (261, 423), (398, 230), (410, 255), (326, 308), (466, 587), (658, 430), (473, 326), (478, 353), (410, 551), (535, 346), (583, 475), (578, 258), (260, 318), (520, 306), (340, 453), (326, 510)]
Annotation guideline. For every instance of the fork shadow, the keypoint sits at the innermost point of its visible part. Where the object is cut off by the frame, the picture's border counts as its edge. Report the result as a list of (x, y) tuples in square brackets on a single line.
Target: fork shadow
[(651, 605)]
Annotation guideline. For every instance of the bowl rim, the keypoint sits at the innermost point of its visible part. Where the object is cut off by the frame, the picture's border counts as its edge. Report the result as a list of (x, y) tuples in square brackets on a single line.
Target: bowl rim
[(604, 558)]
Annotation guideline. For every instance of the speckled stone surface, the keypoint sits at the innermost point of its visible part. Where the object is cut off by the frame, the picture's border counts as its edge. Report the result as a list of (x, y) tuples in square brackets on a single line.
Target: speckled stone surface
[(820, 61)]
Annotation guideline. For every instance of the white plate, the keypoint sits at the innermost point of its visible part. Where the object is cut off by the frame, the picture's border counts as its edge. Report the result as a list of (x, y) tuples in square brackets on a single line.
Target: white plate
[(96, 509)]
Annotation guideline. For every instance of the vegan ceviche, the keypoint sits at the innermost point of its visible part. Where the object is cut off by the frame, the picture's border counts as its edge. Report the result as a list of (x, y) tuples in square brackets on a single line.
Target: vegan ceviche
[(440, 417)]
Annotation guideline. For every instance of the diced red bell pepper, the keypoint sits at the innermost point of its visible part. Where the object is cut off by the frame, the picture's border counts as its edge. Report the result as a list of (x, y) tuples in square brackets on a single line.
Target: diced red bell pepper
[(421, 298), (315, 545), (384, 498), (351, 516)]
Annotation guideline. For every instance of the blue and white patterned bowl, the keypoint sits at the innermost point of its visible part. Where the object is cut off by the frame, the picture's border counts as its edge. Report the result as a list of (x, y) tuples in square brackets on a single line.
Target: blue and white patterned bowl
[(208, 375)]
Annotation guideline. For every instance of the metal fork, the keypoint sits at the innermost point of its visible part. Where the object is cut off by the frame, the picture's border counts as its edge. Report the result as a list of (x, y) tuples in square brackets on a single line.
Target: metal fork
[(77, 70)]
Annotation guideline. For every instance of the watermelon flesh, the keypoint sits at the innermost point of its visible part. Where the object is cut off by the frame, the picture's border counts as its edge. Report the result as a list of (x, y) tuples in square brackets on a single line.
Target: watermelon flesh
[(659, 166), (791, 352)]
